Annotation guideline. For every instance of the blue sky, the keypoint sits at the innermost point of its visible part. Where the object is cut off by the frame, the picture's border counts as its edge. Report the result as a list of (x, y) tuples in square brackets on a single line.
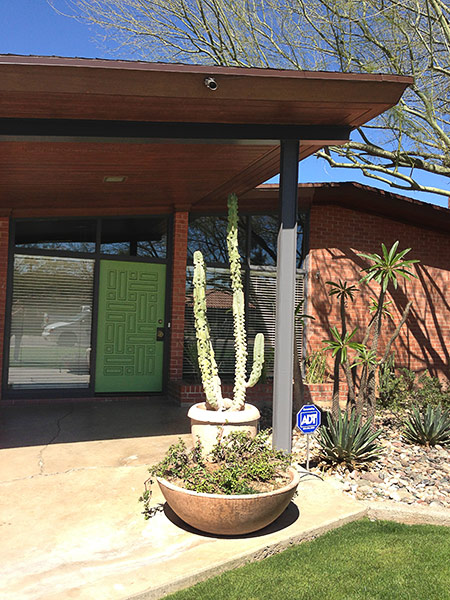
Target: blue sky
[(33, 27)]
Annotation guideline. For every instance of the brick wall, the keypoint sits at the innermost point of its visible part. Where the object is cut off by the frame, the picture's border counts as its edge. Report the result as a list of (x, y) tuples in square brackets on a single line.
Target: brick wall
[(321, 394), (191, 393), (4, 236), (337, 234), (180, 232)]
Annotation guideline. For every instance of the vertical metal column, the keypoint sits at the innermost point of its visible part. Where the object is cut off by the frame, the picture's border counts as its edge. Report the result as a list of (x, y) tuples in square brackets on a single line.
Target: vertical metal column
[(286, 268)]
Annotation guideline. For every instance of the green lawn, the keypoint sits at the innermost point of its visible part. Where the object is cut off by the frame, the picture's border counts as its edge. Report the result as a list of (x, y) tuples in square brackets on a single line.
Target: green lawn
[(361, 561)]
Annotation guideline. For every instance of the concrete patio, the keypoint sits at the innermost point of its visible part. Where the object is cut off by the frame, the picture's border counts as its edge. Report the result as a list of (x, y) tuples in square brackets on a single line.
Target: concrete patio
[(70, 522)]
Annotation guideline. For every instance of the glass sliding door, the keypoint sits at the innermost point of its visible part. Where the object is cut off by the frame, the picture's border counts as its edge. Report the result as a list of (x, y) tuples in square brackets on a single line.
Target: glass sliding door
[(50, 337)]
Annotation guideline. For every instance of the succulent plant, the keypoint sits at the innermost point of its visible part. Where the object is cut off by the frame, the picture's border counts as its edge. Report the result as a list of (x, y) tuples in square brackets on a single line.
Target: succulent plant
[(206, 359), (345, 439), (240, 464), (428, 428)]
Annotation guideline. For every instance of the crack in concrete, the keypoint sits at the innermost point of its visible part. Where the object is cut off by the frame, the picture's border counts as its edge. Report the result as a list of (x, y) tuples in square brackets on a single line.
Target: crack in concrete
[(72, 470), (41, 463)]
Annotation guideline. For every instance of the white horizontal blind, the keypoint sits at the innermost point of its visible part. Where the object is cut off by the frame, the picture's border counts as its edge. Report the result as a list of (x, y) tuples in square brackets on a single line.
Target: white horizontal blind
[(260, 318), (261, 313), (50, 322), (219, 304)]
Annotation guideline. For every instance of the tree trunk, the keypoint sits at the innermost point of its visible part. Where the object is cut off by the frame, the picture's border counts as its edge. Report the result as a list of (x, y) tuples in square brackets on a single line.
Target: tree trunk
[(335, 408)]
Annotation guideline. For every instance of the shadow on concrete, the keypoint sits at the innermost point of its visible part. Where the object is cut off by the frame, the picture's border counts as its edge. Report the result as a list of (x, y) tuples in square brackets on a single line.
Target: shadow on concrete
[(290, 516), (55, 423)]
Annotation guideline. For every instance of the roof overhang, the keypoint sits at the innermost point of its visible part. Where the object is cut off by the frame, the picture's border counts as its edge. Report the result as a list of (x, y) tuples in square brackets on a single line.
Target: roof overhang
[(354, 196), (64, 123)]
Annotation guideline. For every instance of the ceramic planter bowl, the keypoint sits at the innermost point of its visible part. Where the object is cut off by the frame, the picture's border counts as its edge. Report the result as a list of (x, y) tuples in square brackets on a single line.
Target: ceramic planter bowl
[(229, 515), (206, 424)]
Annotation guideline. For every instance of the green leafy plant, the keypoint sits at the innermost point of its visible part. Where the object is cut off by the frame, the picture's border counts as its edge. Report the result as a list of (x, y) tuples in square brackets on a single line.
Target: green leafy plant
[(341, 342), (428, 427), (394, 391), (430, 390), (385, 269), (316, 367), (206, 358), (345, 439), (237, 464), (403, 389)]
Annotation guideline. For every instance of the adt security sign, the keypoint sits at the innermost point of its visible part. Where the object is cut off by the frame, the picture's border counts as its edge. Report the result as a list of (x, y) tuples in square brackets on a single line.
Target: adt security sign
[(308, 418)]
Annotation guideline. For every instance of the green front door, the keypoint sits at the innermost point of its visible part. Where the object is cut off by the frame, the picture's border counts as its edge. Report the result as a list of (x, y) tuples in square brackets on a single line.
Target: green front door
[(130, 334)]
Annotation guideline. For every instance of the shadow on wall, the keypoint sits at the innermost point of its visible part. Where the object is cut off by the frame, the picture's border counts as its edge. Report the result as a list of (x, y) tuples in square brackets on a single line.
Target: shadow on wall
[(424, 341)]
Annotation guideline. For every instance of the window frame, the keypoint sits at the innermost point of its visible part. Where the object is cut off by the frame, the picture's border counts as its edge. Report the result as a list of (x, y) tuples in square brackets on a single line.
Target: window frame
[(249, 269), (96, 256)]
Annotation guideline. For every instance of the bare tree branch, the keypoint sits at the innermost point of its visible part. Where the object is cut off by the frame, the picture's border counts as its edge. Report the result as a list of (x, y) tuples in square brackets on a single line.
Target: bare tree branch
[(409, 37)]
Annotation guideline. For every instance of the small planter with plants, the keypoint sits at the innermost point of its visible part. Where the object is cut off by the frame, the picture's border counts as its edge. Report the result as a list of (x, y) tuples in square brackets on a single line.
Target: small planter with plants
[(240, 487)]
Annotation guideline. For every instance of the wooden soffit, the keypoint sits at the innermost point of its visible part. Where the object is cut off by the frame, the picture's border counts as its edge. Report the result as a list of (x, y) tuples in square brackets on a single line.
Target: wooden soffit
[(66, 124)]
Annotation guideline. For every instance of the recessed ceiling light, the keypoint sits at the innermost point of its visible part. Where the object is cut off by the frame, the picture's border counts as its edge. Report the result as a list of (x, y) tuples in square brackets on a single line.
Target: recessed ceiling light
[(114, 179)]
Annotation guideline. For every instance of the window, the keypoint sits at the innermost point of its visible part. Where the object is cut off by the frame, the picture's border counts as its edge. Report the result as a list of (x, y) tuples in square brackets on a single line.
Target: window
[(51, 312), (264, 239), (68, 235), (146, 237), (258, 247), (209, 235)]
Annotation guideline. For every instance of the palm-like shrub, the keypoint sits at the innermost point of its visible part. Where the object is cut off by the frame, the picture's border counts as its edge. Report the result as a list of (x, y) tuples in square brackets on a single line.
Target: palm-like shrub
[(345, 439), (428, 428)]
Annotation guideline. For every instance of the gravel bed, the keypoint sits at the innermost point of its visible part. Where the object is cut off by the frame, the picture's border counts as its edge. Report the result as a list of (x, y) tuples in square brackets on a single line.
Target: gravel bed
[(404, 473)]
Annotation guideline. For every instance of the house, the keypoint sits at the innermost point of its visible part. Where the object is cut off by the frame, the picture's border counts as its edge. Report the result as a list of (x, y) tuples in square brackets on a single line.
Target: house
[(344, 219), (107, 167), (336, 222)]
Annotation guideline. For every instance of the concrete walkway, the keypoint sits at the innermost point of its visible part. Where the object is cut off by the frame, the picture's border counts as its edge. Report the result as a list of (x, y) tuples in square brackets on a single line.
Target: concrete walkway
[(70, 522)]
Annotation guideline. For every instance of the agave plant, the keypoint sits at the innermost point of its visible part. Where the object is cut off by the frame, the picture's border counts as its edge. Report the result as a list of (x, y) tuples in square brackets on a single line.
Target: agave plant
[(345, 439), (428, 428)]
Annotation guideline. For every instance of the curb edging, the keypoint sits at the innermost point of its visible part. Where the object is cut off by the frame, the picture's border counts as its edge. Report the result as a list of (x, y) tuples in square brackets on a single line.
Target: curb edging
[(386, 511)]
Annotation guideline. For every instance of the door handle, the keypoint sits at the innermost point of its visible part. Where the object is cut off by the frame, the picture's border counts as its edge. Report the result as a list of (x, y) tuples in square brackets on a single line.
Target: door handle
[(160, 334)]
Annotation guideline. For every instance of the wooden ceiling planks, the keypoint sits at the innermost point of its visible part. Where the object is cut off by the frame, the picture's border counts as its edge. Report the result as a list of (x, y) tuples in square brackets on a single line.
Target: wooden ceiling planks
[(66, 176)]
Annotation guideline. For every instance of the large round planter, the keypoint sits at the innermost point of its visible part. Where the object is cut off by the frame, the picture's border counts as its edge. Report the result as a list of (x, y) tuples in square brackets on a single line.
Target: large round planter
[(229, 515), (206, 424)]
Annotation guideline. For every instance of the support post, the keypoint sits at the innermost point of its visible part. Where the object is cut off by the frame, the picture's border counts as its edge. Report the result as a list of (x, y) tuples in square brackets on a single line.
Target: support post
[(285, 303)]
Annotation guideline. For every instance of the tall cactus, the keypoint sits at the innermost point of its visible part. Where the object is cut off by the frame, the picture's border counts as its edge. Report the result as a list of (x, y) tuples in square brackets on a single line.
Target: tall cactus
[(205, 351), (207, 363)]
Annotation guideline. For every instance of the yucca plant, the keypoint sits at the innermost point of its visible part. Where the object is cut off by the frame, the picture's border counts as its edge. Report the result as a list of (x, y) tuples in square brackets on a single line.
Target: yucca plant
[(345, 439), (429, 427)]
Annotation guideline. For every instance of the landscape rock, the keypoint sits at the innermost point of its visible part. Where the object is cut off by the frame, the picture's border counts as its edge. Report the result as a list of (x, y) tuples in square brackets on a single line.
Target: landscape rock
[(404, 473)]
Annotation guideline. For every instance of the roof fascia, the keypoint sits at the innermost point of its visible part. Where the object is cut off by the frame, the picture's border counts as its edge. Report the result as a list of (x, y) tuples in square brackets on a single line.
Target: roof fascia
[(72, 130)]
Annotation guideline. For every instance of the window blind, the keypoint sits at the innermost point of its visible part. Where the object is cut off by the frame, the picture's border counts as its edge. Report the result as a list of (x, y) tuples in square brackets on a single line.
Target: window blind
[(260, 314), (51, 318)]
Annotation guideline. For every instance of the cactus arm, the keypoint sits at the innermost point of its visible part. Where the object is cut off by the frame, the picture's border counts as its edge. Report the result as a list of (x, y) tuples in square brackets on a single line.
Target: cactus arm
[(258, 360), (240, 347), (240, 341), (206, 360)]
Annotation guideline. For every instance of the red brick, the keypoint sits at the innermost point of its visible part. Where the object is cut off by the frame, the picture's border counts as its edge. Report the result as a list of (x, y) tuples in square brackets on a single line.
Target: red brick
[(424, 341)]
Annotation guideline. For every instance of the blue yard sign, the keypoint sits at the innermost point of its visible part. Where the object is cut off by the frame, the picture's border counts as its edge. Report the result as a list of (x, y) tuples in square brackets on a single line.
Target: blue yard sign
[(308, 418)]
